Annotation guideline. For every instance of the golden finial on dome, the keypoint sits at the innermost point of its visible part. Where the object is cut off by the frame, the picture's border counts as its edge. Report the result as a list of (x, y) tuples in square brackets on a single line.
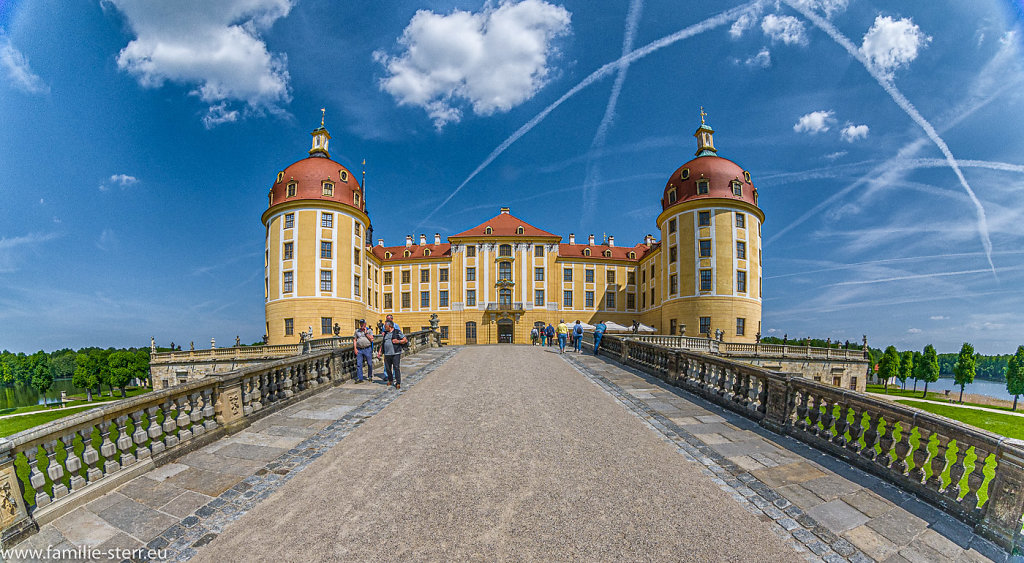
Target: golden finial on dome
[(323, 113), (702, 115)]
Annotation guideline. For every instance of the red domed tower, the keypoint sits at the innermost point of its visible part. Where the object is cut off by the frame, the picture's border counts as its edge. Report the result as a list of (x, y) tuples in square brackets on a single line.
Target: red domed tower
[(317, 232), (711, 246)]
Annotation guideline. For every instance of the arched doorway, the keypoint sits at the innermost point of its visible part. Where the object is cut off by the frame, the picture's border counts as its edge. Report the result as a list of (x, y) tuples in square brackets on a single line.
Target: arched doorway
[(471, 332), (506, 331)]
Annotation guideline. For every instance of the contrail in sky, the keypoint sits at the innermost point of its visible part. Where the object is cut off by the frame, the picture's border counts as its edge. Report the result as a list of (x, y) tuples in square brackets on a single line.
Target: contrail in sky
[(636, 7), (685, 33), (911, 111)]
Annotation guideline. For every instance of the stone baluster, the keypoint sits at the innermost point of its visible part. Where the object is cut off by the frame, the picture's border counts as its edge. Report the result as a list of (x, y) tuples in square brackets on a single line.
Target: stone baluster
[(184, 420), (920, 456), (825, 432), (90, 456), (956, 473), (140, 437), (299, 381), (870, 435), (278, 388), (885, 441), (899, 465), (1002, 513), (247, 396), (814, 413), (36, 477), (107, 449), (258, 392), (938, 464), (291, 374), (842, 422), (325, 373), (974, 481), (739, 389), (54, 470), (124, 441), (855, 429), (313, 377), (72, 463), (209, 410), (802, 409), (169, 426), (156, 432), (195, 413)]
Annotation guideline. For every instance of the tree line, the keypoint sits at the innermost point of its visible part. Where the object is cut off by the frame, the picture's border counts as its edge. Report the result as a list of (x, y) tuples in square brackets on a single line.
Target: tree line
[(88, 368)]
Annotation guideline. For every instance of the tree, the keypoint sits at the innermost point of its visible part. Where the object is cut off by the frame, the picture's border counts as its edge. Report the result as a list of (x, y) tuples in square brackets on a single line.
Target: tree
[(906, 367), (1015, 375), (929, 368), (918, 372), (142, 366), (39, 372), (965, 367), (122, 369), (889, 365), (87, 371), (62, 364)]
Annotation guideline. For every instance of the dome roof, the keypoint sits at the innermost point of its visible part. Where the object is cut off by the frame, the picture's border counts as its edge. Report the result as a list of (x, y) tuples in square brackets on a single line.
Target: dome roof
[(721, 176), (309, 176)]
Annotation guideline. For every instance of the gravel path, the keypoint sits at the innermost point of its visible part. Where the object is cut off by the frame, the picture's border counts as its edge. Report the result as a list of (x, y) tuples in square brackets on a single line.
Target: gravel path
[(504, 452)]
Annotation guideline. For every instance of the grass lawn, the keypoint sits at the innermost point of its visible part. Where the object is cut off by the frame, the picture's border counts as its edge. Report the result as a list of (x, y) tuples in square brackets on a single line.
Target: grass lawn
[(74, 401), (932, 396), (16, 424), (1004, 424)]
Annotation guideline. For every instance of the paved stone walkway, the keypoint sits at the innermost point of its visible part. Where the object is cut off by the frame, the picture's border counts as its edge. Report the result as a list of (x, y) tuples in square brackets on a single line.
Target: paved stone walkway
[(832, 506)]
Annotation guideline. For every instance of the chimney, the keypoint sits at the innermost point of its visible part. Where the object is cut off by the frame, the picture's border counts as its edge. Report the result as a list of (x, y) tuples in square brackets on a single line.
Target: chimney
[(572, 238), (611, 241), (380, 242), (437, 238), (648, 240), (423, 240), (408, 240), (504, 211), (590, 240)]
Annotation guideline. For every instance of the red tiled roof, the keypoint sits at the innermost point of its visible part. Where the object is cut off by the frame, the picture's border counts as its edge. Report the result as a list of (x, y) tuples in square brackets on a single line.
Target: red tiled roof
[(598, 251), (309, 174), (719, 172), (504, 225), (416, 252)]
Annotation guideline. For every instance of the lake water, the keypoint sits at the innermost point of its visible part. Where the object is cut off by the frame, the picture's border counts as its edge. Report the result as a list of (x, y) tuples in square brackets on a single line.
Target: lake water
[(995, 389), (26, 396)]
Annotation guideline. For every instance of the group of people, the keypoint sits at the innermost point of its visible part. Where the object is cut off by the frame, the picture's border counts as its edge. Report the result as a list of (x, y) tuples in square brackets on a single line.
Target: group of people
[(390, 351), (565, 334)]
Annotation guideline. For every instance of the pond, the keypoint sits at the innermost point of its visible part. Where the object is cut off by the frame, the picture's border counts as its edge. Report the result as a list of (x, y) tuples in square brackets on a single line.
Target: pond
[(26, 395), (985, 387)]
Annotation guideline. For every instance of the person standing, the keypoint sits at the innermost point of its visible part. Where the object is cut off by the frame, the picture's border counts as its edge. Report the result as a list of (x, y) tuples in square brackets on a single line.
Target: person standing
[(550, 333), (391, 318), (543, 335), (563, 333), (391, 350), (598, 334), (533, 336), (577, 337), (362, 344)]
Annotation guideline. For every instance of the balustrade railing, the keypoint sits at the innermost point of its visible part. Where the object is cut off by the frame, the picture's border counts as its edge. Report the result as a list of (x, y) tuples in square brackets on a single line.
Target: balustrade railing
[(47, 470), (972, 474), (712, 346), (250, 352)]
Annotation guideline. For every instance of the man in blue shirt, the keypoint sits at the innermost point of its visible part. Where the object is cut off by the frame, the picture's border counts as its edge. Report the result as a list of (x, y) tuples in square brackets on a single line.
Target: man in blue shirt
[(363, 346), (392, 342), (598, 334), (577, 337)]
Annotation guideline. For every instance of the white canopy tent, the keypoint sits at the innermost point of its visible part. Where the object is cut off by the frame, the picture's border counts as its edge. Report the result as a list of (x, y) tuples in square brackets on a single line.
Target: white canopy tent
[(645, 328), (583, 324), (616, 327)]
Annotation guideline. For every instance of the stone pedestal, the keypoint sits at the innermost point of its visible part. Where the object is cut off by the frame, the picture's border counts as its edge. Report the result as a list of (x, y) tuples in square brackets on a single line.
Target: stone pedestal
[(1002, 519), (229, 405), (15, 523)]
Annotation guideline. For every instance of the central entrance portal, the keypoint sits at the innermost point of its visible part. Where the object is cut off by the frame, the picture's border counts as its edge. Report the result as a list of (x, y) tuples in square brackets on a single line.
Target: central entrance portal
[(505, 331)]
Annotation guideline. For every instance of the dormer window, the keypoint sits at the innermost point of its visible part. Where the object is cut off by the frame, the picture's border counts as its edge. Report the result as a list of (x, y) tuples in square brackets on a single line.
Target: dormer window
[(519, 230), (291, 189), (702, 186), (488, 231), (505, 250), (426, 252), (271, 197), (672, 195), (737, 188), (407, 254), (387, 255), (343, 175), (328, 189), (746, 176), (586, 252), (632, 255), (355, 199), (684, 174), (607, 253), (280, 177)]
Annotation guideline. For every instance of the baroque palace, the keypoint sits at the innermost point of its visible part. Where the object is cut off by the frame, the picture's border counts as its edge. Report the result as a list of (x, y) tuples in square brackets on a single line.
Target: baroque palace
[(492, 283)]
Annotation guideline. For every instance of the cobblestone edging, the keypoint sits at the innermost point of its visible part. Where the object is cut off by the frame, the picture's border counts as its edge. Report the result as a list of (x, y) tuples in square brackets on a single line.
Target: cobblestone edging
[(806, 536), (181, 540)]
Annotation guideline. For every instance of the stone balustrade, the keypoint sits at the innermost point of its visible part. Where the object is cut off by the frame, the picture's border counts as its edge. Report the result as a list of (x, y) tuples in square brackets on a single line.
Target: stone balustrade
[(250, 352), (975, 475), (712, 346), (48, 470)]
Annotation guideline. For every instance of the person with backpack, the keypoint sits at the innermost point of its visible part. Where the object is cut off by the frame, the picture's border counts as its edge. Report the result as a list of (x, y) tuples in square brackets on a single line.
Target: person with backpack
[(362, 344), (563, 333), (577, 337), (598, 334), (549, 332), (533, 336), (391, 350)]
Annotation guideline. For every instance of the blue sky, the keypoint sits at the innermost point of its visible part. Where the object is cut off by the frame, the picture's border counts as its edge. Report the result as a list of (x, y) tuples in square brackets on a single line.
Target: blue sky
[(137, 145)]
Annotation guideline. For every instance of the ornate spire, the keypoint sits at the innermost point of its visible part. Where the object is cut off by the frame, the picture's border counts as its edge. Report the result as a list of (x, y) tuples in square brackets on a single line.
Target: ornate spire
[(320, 138), (705, 137)]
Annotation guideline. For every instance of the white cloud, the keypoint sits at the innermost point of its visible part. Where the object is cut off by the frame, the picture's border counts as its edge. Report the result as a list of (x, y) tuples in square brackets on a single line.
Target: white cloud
[(746, 21), (835, 155), (852, 132), (11, 247), (18, 71), (891, 44), (108, 240), (762, 59), (939, 318), (494, 59), (815, 122), (121, 180), (785, 29), (215, 47), (827, 7), (913, 331)]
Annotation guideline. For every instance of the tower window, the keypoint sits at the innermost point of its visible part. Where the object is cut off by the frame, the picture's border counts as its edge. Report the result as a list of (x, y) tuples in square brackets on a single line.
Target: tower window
[(289, 327), (737, 188), (746, 176), (684, 174), (741, 250), (325, 249), (326, 283), (471, 251), (672, 226), (705, 280), (355, 257), (702, 186), (291, 189), (325, 325), (703, 218), (357, 230), (355, 199), (672, 255), (328, 189), (705, 325), (673, 284), (741, 326), (672, 195), (289, 220), (343, 175), (538, 251), (280, 177), (289, 250), (741, 220), (705, 248), (327, 220), (288, 276), (741, 281)]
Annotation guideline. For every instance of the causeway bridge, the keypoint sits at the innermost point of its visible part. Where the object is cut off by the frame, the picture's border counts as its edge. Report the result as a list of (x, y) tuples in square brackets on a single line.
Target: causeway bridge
[(643, 452)]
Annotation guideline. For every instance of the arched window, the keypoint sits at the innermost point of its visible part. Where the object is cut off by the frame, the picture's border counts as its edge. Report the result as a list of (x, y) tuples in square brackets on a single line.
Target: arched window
[(586, 252), (355, 199), (672, 195), (746, 176), (488, 231), (407, 254), (519, 230), (504, 271), (505, 250), (426, 252), (632, 255), (387, 255), (343, 175), (280, 177), (607, 253)]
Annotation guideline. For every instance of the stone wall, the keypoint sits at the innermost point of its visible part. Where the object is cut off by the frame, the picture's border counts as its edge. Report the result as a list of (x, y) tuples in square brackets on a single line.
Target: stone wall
[(847, 374)]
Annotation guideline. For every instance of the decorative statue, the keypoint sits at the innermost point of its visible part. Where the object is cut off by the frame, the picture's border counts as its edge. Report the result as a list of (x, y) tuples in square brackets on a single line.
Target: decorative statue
[(266, 339), (757, 338), (636, 327), (434, 321), (238, 341), (785, 338), (152, 345), (682, 329), (213, 343), (192, 346), (337, 329)]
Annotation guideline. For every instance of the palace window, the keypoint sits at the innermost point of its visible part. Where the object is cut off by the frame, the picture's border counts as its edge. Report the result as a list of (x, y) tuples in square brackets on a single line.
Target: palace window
[(611, 276), (325, 280), (470, 251), (741, 281), (328, 189), (405, 276), (702, 186), (289, 250), (609, 300), (705, 325), (741, 326), (291, 189), (444, 332), (519, 230), (586, 252), (407, 253), (672, 225), (505, 296), (737, 188), (567, 299), (505, 250), (684, 174), (741, 250), (504, 271), (355, 286), (705, 248), (426, 252), (387, 255), (289, 220), (424, 299), (471, 332), (424, 276), (632, 255), (673, 284), (471, 298), (538, 274), (643, 300), (631, 278), (389, 301), (567, 274), (356, 229), (589, 273), (355, 199), (488, 231), (442, 298), (538, 251), (287, 282), (387, 278), (406, 300), (630, 301), (746, 176), (671, 255), (471, 274), (643, 276), (538, 298), (672, 326), (652, 297), (443, 275), (741, 220), (589, 299), (705, 280), (327, 220), (325, 249), (289, 327), (703, 218), (355, 257), (607, 253), (280, 177), (652, 272), (326, 325), (672, 196)]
